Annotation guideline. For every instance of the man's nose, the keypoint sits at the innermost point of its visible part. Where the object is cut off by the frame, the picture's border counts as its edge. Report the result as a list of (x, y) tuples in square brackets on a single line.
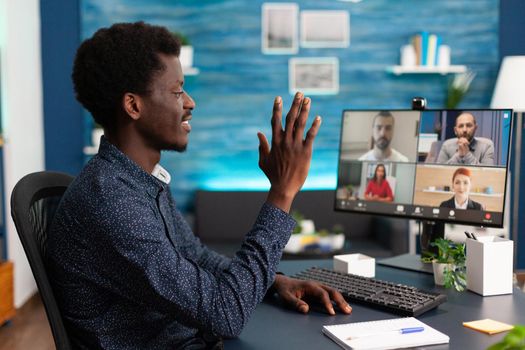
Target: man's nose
[(188, 102)]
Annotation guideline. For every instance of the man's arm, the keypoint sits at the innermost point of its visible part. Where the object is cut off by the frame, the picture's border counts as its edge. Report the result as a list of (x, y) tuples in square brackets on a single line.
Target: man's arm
[(138, 262), (443, 157), (449, 154), (286, 165), (487, 157)]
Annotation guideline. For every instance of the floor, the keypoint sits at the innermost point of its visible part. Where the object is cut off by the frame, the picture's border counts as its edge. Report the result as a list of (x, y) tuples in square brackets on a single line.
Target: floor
[(29, 329)]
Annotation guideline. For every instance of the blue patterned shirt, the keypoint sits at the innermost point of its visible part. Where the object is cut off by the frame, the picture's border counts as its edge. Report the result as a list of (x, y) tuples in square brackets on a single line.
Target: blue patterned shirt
[(129, 273)]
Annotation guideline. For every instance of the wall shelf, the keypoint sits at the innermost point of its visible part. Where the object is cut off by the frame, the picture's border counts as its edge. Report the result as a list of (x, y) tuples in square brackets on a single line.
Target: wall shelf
[(480, 194), (190, 70), (398, 70)]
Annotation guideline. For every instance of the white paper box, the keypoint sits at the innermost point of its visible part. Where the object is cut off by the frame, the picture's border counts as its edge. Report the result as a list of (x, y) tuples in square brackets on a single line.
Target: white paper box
[(489, 265), (357, 264)]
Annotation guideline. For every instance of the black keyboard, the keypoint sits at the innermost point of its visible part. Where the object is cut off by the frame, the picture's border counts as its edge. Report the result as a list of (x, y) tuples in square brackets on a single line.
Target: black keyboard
[(392, 297)]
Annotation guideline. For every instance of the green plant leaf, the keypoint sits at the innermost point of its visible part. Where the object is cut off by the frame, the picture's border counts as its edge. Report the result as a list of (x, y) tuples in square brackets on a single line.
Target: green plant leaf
[(451, 253), (514, 340)]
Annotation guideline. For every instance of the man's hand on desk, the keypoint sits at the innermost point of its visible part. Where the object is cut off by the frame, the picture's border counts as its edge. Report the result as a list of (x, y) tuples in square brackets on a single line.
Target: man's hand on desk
[(293, 292)]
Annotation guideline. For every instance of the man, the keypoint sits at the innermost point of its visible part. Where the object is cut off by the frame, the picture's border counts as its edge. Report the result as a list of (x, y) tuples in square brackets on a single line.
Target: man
[(465, 148), (382, 134), (127, 270)]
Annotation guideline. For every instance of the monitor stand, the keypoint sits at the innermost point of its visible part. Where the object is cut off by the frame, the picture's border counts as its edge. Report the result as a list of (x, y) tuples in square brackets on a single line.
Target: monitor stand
[(430, 231)]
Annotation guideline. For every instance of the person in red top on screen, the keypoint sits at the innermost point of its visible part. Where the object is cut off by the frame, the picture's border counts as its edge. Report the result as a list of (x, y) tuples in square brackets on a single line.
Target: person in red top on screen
[(378, 188)]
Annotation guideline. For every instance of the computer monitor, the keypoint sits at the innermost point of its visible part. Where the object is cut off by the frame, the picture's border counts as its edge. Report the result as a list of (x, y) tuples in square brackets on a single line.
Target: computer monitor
[(432, 165)]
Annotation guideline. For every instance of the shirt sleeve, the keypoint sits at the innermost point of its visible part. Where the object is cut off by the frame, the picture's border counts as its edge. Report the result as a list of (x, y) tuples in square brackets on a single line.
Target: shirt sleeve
[(207, 258), (488, 156), (139, 262), (442, 156)]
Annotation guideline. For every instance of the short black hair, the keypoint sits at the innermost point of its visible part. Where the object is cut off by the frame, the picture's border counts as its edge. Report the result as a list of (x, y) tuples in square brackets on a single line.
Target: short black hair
[(116, 60)]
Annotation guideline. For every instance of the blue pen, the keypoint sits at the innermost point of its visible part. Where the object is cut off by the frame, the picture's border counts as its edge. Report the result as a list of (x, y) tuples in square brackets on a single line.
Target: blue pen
[(399, 331)]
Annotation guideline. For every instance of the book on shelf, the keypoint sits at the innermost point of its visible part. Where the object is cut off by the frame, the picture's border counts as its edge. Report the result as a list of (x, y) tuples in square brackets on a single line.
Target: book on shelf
[(426, 46)]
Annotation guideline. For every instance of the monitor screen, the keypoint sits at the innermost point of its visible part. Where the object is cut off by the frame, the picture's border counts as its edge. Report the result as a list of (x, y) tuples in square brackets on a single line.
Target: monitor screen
[(437, 165)]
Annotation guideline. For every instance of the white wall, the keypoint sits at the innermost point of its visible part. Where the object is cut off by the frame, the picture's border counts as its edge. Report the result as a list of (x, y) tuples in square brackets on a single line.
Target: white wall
[(22, 117)]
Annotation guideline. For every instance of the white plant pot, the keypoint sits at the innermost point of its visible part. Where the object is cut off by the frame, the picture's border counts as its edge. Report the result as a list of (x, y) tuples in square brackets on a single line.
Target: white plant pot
[(439, 270), (186, 56)]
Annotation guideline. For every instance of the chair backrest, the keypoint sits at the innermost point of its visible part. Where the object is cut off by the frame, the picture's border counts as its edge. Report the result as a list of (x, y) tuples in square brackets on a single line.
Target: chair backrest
[(34, 201)]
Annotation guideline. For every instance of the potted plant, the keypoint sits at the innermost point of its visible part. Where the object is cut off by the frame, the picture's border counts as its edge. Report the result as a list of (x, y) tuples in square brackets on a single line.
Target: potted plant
[(186, 51), (448, 264), (457, 88)]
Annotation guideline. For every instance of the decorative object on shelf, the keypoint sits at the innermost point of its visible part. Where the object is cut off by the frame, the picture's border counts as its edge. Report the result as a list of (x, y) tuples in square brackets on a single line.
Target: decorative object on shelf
[(96, 133), (186, 55), (306, 239), (458, 88), (448, 264), (425, 54)]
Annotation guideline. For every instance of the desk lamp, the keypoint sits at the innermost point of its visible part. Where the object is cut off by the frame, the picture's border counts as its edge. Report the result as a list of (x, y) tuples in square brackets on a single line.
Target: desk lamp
[(510, 93)]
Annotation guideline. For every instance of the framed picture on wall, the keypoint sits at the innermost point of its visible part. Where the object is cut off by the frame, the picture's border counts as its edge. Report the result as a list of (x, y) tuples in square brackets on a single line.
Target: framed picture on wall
[(314, 75), (325, 28), (279, 28)]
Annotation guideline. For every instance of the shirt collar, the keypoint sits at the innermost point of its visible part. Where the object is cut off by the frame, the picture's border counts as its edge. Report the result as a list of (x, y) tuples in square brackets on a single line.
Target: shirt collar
[(151, 183), (162, 174), (460, 206), (472, 144)]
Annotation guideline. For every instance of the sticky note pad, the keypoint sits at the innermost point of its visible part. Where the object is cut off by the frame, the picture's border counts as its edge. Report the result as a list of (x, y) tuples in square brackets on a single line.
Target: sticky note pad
[(488, 326)]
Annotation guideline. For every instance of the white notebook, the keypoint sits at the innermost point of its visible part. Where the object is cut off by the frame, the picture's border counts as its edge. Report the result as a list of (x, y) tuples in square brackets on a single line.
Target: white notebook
[(384, 334)]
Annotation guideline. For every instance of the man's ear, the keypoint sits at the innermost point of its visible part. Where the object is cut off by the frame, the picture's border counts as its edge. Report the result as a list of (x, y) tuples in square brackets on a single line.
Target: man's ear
[(132, 105)]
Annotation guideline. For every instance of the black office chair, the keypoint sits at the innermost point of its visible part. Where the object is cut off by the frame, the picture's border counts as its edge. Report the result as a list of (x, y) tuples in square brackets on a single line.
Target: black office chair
[(34, 201)]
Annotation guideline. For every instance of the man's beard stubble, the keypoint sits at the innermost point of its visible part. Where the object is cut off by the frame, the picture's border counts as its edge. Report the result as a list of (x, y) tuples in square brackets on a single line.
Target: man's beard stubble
[(382, 143)]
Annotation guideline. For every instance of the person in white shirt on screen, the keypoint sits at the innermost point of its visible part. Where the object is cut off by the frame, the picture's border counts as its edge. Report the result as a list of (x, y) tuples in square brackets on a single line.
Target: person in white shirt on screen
[(382, 134), (465, 148), (461, 184)]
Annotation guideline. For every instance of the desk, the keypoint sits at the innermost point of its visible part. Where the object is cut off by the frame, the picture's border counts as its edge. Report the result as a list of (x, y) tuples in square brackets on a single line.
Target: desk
[(274, 327)]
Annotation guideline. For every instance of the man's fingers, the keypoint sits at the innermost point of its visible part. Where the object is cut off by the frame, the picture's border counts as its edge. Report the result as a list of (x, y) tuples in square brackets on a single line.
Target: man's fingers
[(299, 304), (301, 120), (302, 306), (339, 300), (292, 115), (277, 127), (312, 132), (324, 298), (264, 146)]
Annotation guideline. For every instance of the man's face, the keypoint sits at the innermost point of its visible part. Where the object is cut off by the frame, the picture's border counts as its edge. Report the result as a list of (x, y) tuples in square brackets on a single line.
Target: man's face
[(166, 113), (465, 126), (382, 132)]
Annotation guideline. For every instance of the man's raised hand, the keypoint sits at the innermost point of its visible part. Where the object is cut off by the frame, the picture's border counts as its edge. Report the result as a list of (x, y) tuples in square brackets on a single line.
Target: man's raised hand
[(287, 162)]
